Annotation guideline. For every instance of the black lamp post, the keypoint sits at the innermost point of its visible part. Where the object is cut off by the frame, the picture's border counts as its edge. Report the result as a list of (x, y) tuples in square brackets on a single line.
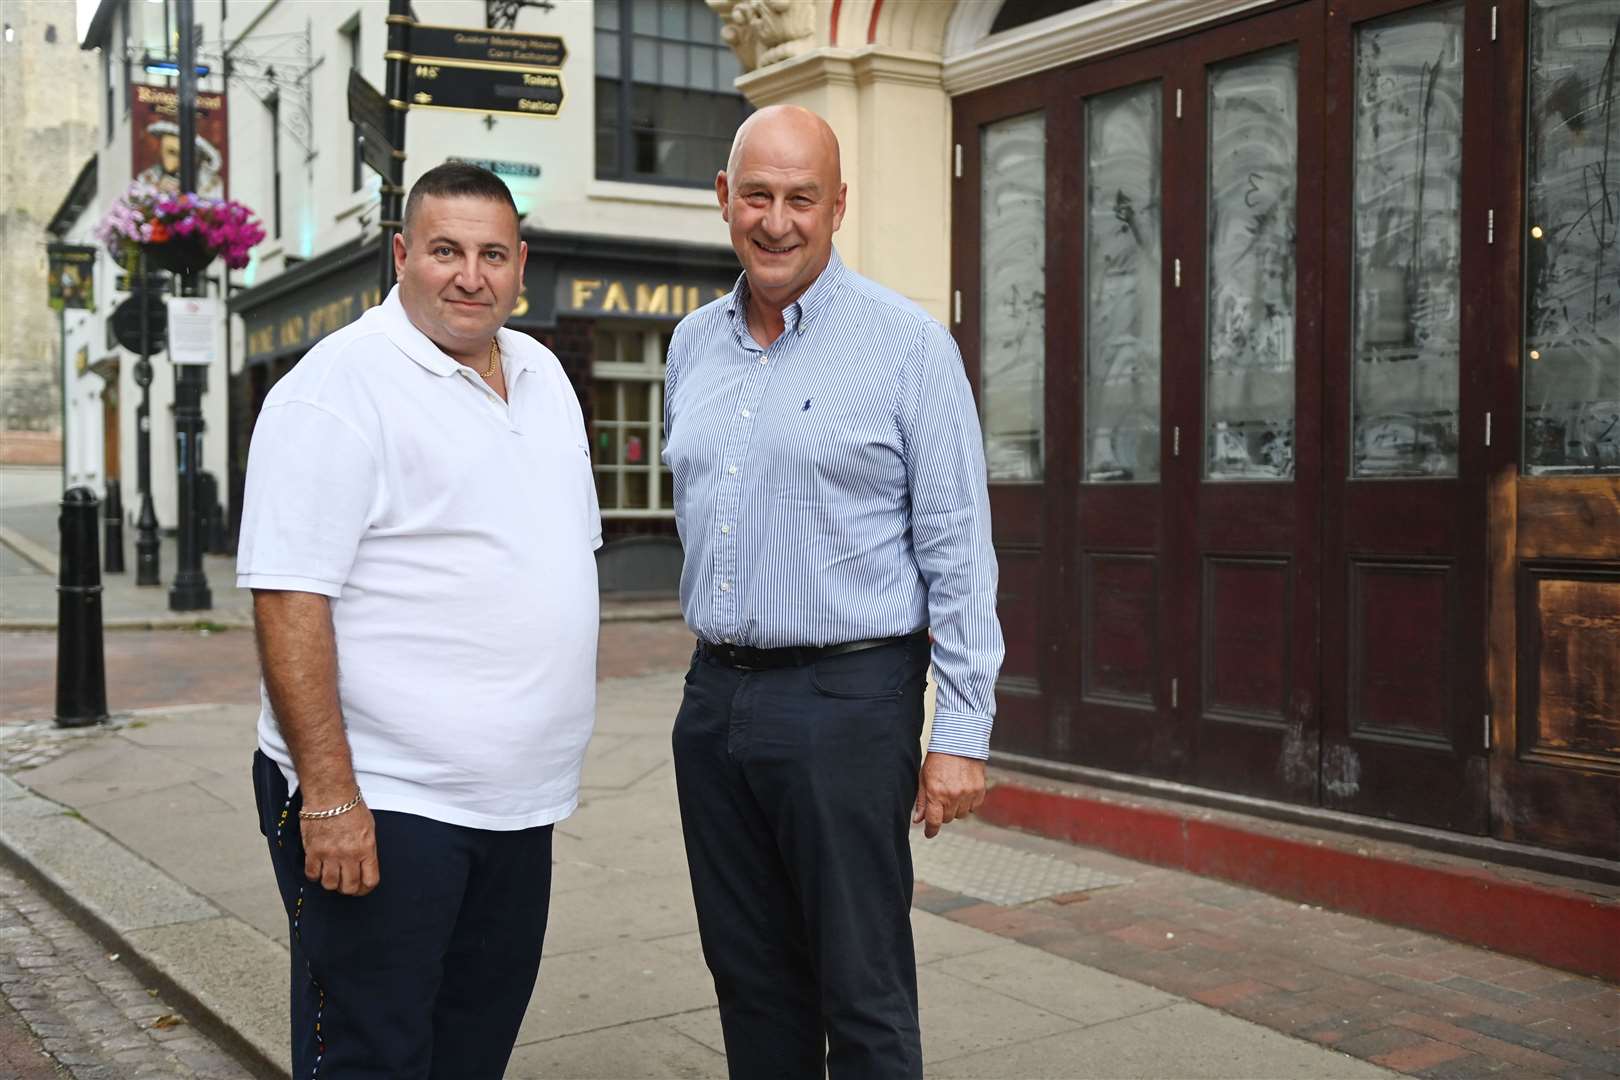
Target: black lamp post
[(146, 524), (190, 589)]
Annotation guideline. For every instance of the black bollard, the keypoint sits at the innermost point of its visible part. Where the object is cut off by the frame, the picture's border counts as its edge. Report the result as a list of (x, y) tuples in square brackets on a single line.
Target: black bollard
[(115, 530), (81, 667), (213, 515)]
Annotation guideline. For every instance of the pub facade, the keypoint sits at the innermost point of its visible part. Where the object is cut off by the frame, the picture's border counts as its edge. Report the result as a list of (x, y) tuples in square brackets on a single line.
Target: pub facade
[(1295, 329)]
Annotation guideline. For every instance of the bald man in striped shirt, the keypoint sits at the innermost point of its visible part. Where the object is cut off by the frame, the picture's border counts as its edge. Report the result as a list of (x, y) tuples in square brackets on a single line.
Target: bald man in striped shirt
[(830, 494)]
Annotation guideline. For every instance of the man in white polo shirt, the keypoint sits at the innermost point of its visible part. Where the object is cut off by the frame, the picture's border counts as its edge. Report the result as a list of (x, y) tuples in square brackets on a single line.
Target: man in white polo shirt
[(418, 535)]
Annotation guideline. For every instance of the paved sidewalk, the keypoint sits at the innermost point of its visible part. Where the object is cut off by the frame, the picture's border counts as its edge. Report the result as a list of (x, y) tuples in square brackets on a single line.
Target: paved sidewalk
[(151, 828)]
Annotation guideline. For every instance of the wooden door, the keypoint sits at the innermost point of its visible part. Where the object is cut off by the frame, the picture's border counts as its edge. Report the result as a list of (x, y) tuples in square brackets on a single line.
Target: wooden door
[(1407, 343), (1245, 402), (1120, 179), (1004, 328), (1554, 484)]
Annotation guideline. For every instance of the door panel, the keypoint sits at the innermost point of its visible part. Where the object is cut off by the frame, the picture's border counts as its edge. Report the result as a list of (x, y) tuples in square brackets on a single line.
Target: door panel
[(1554, 489), (1406, 280), (1121, 715), (1246, 402), (1000, 268)]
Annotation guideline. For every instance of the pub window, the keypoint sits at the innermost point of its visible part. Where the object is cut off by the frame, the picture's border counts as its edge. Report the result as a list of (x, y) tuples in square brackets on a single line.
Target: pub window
[(665, 107), (1572, 305), (627, 372)]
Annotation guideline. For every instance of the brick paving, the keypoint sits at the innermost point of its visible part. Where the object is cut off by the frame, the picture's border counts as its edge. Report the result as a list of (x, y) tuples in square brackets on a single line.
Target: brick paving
[(70, 1009), (1410, 1002)]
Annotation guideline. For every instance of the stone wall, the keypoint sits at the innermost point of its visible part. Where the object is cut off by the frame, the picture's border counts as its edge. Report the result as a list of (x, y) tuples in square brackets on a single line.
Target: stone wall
[(49, 100)]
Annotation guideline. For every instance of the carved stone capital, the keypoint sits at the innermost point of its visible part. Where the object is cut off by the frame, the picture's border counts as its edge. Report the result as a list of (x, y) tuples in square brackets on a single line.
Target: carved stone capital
[(765, 32)]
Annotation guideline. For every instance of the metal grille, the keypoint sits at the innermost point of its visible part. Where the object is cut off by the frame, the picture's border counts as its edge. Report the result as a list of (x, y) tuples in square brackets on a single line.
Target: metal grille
[(998, 873)]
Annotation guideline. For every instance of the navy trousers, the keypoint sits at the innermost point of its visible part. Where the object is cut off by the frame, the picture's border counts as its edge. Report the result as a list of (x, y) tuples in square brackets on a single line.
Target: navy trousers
[(428, 976), (796, 787)]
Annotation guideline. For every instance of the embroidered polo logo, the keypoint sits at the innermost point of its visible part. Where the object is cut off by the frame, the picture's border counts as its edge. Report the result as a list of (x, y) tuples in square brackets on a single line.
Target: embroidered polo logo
[(806, 405)]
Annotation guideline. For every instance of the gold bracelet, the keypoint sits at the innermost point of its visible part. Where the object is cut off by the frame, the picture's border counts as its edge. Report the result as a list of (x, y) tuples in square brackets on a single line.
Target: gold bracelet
[(316, 815)]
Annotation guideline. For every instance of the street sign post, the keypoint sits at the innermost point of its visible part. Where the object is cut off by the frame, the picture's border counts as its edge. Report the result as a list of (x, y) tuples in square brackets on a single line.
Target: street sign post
[(468, 44), (368, 111), (486, 88)]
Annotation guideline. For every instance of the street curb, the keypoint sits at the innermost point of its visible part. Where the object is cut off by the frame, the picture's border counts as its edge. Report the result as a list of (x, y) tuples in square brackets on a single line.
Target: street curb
[(52, 847), (41, 557), (1562, 923)]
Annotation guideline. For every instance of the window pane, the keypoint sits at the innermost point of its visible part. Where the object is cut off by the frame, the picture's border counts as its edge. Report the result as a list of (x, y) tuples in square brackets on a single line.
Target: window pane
[(729, 67), (1572, 274), (1253, 170), (672, 71), (1013, 305), (607, 489), (1123, 285), (635, 490), (644, 60), (1408, 239), (607, 152), (644, 16), (607, 54), (607, 14), (666, 489), (700, 67), (635, 402), (673, 23), (606, 438)]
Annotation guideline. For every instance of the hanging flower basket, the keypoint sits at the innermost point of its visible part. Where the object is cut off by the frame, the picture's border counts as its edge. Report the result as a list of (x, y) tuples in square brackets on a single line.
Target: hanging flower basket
[(178, 254), (178, 233)]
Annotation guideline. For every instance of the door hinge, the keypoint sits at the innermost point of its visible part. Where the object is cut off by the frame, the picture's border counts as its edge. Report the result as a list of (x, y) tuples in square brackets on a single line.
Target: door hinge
[(1487, 429), (1178, 103), (956, 306), (1487, 731), (1175, 441), (1490, 226), (1178, 273), (1175, 693), (1493, 22), (959, 161)]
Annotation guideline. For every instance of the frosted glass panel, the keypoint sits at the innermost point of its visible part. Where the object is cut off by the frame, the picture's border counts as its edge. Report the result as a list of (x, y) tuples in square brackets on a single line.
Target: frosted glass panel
[(1572, 253), (1123, 285), (1013, 272), (1253, 172), (1408, 239)]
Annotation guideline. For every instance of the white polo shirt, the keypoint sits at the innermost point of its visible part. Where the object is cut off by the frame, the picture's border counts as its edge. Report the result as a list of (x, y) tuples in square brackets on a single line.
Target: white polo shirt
[(454, 533)]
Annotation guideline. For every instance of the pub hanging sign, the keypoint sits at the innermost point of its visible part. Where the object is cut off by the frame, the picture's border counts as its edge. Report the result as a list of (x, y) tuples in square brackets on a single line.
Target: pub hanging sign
[(72, 270)]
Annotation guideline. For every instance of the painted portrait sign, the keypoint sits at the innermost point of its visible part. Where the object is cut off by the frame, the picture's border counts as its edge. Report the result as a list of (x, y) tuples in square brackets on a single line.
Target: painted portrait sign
[(155, 139)]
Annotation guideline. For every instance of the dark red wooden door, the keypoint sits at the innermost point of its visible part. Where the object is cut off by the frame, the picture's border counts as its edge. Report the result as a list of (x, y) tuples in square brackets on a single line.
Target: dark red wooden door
[(1246, 402), (1406, 342)]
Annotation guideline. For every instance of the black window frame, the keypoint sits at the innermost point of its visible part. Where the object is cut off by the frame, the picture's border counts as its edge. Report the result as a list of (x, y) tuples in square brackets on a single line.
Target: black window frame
[(624, 85)]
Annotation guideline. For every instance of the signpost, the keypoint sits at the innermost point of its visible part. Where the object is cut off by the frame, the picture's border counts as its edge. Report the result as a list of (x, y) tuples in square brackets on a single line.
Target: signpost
[(368, 111), (486, 88), (466, 44)]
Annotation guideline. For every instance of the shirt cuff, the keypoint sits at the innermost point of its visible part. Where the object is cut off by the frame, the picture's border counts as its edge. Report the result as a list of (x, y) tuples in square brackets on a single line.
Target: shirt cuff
[(289, 583), (962, 734)]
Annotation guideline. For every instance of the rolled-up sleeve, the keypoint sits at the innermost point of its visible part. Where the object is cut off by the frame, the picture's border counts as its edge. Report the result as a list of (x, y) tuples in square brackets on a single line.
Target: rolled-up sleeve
[(950, 530), (313, 486)]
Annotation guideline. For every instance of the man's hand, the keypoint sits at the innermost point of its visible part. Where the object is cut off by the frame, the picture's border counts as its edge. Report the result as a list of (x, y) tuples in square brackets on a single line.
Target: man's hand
[(950, 787), (341, 852)]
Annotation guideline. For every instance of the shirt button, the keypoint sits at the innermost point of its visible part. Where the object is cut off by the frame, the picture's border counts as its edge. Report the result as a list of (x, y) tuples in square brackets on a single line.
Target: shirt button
[(745, 414), (725, 586), (732, 470), (763, 360), (725, 529), (726, 641)]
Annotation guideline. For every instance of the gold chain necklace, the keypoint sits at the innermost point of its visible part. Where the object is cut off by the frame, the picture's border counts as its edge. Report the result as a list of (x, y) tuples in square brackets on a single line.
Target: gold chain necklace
[(494, 357)]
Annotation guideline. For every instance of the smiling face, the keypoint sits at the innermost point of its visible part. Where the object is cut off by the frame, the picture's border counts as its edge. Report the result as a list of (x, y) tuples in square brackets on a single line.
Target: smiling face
[(460, 267), (783, 197)]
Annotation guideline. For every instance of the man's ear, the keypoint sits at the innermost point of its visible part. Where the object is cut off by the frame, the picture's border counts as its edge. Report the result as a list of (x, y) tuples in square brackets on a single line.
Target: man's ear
[(838, 207), (399, 254), (722, 191)]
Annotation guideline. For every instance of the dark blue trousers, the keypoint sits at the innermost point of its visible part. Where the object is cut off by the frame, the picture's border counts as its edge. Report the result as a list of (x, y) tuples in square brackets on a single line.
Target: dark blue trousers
[(796, 787), (428, 976)]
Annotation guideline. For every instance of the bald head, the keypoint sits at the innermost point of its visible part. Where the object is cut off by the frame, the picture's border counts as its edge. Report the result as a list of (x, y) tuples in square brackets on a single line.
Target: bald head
[(786, 133)]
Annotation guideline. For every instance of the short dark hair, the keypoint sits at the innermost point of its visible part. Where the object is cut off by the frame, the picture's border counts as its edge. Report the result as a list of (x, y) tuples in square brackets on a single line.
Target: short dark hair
[(458, 179)]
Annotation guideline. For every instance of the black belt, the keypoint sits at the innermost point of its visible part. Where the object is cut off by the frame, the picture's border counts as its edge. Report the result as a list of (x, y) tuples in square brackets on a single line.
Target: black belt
[(751, 659)]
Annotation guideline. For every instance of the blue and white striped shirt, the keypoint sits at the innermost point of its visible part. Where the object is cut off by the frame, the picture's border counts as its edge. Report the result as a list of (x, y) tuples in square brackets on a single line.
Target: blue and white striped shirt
[(831, 488)]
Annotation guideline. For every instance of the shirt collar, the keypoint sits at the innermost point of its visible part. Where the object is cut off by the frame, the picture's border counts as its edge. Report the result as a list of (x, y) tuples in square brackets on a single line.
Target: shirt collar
[(419, 347), (799, 314)]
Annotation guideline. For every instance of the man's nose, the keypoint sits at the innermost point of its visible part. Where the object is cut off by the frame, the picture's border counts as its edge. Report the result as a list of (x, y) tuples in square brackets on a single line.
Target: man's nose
[(776, 220), (470, 275)]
